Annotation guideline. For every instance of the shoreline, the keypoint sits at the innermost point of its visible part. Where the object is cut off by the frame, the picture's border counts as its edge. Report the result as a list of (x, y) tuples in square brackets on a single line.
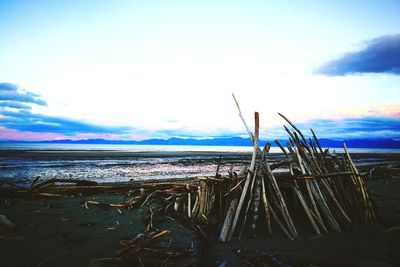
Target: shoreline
[(21, 167)]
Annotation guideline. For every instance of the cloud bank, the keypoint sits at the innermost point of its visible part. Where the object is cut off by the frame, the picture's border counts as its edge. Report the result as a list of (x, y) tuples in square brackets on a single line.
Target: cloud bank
[(16, 118), (379, 55), (360, 127), (11, 93)]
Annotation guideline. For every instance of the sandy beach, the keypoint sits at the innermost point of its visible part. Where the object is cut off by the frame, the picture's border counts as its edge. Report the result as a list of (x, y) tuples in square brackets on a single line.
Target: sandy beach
[(66, 231)]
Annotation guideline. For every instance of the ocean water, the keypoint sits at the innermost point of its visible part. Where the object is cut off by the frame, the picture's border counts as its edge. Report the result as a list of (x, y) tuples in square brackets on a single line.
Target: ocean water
[(21, 163)]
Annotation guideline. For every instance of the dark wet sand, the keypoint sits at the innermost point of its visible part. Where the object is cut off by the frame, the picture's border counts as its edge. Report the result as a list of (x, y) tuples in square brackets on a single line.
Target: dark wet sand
[(60, 231)]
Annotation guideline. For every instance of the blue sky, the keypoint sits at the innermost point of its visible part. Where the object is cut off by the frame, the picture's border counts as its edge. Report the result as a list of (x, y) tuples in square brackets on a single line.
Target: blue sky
[(159, 69)]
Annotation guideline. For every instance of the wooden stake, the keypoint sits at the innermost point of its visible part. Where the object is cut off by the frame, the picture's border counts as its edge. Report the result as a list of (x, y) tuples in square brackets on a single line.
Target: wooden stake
[(223, 236), (266, 206), (249, 175)]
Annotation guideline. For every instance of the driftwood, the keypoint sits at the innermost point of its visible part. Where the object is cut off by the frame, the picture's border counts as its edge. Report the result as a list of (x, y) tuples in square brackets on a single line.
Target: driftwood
[(49, 182), (147, 250), (249, 175)]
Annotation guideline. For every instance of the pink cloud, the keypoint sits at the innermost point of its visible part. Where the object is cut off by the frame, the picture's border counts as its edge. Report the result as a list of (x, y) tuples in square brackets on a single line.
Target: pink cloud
[(136, 137), (12, 134), (390, 111)]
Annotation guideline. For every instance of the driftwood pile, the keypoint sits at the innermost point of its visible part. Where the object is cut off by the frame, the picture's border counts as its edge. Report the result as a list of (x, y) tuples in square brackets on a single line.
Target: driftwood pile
[(325, 188), (329, 190)]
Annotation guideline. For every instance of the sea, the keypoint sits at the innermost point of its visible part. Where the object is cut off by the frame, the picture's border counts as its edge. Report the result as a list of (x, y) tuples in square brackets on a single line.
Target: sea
[(21, 163)]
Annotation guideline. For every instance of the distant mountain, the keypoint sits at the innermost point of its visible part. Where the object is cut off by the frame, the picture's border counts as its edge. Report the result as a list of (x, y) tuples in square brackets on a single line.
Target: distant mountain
[(226, 141)]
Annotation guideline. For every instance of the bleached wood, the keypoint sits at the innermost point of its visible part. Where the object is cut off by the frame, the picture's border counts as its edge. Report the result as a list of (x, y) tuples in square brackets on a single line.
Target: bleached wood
[(249, 175)]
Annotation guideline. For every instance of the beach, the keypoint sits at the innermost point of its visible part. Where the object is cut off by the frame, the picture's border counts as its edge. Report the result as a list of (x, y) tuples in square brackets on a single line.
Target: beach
[(64, 229)]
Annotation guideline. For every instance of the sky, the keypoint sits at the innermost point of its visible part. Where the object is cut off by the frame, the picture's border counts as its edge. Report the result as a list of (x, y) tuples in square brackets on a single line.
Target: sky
[(135, 70)]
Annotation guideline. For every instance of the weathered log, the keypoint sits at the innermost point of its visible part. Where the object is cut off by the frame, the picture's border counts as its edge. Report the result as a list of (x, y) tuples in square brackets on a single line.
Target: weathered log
[(52, 181), (306, 209), (223, 236), (249, 202), (256, 202), (189, 203), (326, 175), (369, 214), (266, 206), (249, 175), (282, 203)]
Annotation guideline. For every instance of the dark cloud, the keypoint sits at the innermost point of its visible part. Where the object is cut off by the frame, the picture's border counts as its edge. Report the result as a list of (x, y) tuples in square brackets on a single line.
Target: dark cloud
[(363, 127), (380, 55), (30, 122), (8, 87), (22, 119), (13, 104), (11, 92)]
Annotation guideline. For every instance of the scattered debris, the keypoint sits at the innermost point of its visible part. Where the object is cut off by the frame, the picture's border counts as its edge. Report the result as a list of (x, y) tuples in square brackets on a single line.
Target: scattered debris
[(43, 263), (5, 222), (64, 220), (106, 262), (391, 171), (13, 237), (282, 259), (392, 233), (144, 250)]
